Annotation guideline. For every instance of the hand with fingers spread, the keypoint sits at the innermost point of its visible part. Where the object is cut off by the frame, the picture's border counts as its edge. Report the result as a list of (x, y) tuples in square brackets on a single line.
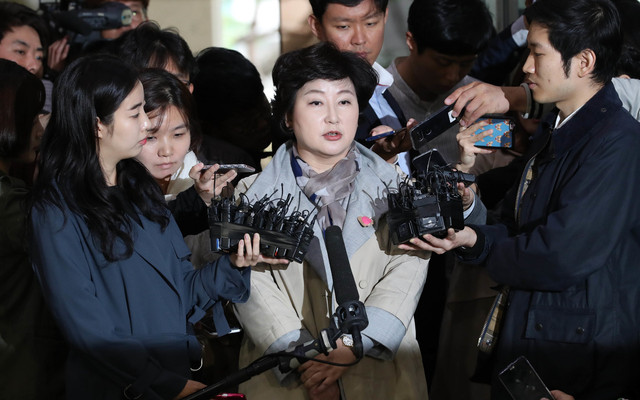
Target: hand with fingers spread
[(467, 138), (478, 99), (248, 253), (466, 237), (208, 184)]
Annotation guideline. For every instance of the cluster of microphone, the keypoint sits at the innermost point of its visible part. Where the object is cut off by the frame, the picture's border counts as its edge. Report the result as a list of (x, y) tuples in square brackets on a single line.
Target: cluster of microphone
[(283, 233)]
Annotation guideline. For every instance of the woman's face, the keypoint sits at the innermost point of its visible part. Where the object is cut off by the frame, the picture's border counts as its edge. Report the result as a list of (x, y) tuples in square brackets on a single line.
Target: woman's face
[(39, 123), (166, 147), (324, 121), (127, 133)]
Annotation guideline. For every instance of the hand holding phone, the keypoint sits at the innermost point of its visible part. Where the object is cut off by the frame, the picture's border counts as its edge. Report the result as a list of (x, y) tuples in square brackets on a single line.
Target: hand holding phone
[(523, 382), (223, 168), (502, 135), (383, 135), (432, 127)]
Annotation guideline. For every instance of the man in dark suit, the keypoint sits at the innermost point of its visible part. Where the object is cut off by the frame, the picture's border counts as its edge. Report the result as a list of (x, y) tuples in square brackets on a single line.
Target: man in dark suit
[(359, 28), (570, 251)]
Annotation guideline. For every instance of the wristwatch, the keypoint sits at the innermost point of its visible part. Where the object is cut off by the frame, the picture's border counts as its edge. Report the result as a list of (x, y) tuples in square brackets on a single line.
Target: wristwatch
[(347, 341)]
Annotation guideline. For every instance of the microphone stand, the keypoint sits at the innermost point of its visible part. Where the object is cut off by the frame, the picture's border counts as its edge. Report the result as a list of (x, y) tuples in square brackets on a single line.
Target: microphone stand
[(350, 317)]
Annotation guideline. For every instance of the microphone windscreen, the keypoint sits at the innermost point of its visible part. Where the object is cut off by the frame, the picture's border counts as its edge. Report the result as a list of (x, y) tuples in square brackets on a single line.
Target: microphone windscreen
[(343, 282)]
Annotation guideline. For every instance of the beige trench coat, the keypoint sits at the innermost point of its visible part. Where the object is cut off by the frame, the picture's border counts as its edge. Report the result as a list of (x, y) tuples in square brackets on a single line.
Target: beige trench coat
[(298, 298)]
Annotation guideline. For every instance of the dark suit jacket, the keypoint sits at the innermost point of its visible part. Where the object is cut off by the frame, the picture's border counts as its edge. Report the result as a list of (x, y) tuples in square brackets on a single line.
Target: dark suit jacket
[(571, 259), (128, 322), (369, 120)]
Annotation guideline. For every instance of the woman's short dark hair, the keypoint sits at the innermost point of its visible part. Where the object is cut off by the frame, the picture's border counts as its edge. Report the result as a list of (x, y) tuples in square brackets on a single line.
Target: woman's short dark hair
[(21, 99), (576, 25), (163, 90), (319, 61), (90, 90)]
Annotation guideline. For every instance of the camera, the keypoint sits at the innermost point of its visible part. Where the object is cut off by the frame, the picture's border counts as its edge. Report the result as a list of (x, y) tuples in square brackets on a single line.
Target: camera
[(430, 203), (83, 25), (283, 234)]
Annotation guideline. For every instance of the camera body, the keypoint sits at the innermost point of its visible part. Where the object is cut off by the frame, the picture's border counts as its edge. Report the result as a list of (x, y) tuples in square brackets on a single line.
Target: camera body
[(283, 234), (83, 25), (430, 203)]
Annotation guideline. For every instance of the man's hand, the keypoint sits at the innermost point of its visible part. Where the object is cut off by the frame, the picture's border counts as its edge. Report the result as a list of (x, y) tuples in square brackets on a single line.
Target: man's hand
[(390, 146), (57, 54), (482, 98), (467, 195), (189, 388), (467, 138), (466, 237), (558, 395)]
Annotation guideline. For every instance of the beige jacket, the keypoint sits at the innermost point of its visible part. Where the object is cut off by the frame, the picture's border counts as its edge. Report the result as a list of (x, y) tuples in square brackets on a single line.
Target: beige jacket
[(292, 304)]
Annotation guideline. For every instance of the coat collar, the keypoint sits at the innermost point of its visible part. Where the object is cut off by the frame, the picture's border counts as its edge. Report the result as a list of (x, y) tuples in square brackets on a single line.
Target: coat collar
[(584, 123), (369, 199)]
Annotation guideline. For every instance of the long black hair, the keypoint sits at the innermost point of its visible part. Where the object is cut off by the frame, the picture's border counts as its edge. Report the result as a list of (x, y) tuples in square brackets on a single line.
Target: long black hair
[(71, 175), (21, 99)]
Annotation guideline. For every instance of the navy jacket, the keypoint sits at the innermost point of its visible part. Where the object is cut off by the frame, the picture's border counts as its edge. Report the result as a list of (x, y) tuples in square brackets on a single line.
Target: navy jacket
[(369, 120), (128, 322), (573, 258)]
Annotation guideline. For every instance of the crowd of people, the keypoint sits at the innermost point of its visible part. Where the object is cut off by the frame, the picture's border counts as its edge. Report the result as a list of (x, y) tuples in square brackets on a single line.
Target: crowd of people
[(110, 162)]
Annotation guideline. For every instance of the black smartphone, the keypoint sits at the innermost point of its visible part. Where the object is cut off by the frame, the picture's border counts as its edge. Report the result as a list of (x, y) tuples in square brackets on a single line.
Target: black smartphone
[(502, 135), (224, 168), (383, 135), (432, 127), (523, 382), (380, 136)]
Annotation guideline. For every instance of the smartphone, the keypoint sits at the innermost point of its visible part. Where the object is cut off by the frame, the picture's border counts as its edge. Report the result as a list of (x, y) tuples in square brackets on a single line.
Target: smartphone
[(523, 382), (502, 136), (432, 127), (240, 168), (383, 135)]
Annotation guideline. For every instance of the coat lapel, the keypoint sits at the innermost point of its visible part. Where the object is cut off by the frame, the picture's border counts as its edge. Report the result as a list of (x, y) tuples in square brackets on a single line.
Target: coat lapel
[(368, 199), (145, 245)]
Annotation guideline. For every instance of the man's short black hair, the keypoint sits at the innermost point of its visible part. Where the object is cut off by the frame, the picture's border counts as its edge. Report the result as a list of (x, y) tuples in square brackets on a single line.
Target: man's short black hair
[(453, 27), (320, 6), (14, 15), (576, 25), (148, 46)]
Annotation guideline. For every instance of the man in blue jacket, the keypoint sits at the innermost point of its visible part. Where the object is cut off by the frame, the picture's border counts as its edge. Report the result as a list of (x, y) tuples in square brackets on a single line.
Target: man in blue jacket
[(569, 244)]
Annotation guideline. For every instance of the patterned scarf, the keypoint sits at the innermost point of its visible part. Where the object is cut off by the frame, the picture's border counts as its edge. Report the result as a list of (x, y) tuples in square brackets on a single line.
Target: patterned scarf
[(329, 189)]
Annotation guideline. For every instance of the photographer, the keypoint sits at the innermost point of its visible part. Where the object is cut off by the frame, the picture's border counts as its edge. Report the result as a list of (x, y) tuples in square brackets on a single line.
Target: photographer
[(569, 252), (79, 38)]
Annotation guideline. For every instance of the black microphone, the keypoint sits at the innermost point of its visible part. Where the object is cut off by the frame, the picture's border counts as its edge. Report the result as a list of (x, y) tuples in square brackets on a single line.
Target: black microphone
[(343, 282), (350, 316)]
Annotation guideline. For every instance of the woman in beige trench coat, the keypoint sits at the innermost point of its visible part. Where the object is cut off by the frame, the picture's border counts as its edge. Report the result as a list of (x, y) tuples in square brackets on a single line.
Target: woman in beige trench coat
[(319, 91)]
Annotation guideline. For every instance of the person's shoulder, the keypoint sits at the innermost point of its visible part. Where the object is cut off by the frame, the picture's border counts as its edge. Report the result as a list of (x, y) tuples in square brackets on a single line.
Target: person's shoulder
[(11, 186)]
